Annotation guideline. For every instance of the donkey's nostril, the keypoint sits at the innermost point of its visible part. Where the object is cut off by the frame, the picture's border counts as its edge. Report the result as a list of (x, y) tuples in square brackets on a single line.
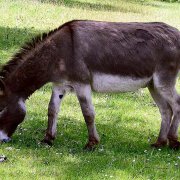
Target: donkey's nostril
[(6, 140), (3, 158)]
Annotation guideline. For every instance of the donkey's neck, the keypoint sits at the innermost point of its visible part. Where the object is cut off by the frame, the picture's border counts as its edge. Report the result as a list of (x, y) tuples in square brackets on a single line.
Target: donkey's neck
[(33, 73), (28, 69)]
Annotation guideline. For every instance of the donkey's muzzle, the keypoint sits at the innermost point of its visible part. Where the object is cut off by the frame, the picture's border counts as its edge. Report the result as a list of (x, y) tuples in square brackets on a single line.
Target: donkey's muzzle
[(6, 140)]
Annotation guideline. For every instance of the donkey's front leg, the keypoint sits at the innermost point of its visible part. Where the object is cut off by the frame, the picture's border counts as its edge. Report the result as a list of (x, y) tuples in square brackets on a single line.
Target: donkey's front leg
[(58, 93), (84, 97)]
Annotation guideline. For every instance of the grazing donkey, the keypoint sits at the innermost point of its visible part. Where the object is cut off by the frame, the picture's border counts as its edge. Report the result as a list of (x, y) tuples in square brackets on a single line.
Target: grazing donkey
[(99, 56)]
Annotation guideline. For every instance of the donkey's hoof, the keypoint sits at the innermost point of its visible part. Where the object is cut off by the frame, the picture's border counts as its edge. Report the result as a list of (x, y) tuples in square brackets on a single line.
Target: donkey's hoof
[(159, 144), (91, 145), (174, 145), (89, 148), (46, 141)]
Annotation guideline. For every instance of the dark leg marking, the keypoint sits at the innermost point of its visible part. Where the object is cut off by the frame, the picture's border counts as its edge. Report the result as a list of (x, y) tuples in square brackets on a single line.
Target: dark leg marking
[(61, 96)]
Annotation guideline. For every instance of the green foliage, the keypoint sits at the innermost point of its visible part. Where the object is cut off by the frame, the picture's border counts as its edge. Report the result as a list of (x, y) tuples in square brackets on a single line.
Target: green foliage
[(127, 123)]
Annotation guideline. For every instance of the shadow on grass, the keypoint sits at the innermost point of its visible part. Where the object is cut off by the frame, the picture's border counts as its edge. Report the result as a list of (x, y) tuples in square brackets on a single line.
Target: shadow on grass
[(148, 3), (12, 39), (15, 37), (91, 6)]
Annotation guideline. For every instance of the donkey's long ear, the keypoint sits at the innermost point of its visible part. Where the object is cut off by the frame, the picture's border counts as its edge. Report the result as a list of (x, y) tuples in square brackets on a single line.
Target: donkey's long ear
[(2, 87)]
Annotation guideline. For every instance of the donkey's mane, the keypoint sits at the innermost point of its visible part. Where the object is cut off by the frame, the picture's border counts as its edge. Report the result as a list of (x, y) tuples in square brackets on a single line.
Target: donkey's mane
[(18, 58)]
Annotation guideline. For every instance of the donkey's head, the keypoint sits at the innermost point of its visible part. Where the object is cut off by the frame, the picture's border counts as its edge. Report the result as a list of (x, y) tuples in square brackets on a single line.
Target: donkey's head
[(3, 105), (12, 113)]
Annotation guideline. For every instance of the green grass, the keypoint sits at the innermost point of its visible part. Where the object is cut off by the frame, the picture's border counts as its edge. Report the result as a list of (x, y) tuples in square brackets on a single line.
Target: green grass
[(127, 123)]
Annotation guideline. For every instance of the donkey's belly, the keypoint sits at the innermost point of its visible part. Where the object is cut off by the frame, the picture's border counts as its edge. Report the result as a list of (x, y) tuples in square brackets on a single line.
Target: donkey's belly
[(114, 83)]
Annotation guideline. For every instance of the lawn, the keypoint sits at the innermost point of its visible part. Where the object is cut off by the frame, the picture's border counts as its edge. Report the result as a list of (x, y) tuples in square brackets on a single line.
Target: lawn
[(127, 123)]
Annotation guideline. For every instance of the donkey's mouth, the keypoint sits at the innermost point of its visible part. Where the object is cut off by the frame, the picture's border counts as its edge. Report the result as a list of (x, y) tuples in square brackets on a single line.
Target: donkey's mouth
[(4, 138)]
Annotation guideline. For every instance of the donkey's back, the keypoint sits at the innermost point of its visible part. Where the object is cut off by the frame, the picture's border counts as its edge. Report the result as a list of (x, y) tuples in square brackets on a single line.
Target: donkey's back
[(118, 56)]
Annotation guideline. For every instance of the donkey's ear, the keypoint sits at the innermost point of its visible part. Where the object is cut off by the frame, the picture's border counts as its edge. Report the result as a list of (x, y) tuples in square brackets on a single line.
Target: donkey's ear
[(2, 87)]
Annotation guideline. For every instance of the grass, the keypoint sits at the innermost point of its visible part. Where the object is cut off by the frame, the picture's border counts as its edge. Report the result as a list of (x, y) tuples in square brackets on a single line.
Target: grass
[(127, 123)]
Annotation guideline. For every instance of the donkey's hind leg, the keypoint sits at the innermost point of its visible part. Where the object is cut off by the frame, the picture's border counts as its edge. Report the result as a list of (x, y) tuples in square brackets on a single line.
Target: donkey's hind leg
[(173, 132), (84, 96), (166, 116), (165, 85), (58, 93)]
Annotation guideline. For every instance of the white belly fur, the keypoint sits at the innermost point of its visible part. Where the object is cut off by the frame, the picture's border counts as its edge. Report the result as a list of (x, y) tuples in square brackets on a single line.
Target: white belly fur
[(114, 83)]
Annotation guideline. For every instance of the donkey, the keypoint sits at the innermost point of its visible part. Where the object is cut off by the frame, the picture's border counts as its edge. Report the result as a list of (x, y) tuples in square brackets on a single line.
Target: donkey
[(99, 56)]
